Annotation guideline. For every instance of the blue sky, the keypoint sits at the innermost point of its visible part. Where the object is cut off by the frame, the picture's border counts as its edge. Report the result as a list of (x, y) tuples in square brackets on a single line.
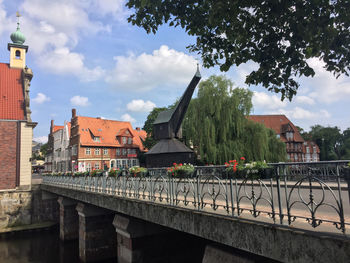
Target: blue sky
[(85, 55)]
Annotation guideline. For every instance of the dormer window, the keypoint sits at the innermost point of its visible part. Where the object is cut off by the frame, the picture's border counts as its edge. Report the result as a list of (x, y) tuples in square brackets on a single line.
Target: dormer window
[(97, 139), (129, 140), (124, 140)]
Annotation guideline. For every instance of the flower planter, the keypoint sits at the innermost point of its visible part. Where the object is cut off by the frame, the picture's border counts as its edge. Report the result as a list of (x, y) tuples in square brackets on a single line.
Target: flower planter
[(346, 172)]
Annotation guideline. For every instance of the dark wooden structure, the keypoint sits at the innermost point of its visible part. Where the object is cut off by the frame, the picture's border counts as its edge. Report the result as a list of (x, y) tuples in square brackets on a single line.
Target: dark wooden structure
[(167, 129)]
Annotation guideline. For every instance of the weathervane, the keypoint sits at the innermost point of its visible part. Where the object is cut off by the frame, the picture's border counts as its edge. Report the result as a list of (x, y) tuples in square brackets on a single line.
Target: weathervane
[(18, 16)]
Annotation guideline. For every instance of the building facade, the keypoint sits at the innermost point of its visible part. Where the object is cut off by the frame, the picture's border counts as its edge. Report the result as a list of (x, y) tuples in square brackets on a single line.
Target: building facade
[(16, 126), (87, 144), (103, 144), (298, 150)]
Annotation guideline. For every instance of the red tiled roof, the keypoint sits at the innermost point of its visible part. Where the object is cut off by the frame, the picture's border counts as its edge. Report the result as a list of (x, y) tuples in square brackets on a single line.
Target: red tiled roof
[(278, 123), (56, 128), (107, 130), (11, 93)]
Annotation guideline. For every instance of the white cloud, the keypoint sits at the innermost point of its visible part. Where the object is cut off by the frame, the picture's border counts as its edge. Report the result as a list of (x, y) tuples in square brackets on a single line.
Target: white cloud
[(140, 106), (127, 117), (144, 72), (302, 114), (304, 100), (54, 30), (62, 61), (324, 86), (40, 98), (40, 139), (79, 101), (263, 100)]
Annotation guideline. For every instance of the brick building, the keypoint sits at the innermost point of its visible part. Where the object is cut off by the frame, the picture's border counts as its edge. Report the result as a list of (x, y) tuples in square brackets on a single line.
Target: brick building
[(16, 126), (298, 150), (92, 143)]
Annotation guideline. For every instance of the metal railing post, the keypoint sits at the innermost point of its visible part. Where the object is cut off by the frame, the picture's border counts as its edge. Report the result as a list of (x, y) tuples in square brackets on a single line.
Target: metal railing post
[(280, 212)]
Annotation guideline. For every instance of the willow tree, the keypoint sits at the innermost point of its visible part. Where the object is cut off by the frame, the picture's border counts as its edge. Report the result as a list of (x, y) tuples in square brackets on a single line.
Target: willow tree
[(217, 127)]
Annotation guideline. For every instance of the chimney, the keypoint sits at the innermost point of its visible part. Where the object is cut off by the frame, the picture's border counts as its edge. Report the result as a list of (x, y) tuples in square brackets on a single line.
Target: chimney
[(138, 129), (74, 113), (51, 127)]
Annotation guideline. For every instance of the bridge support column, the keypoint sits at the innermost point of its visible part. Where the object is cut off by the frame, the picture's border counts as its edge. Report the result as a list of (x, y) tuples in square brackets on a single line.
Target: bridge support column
[(139, 241), (97, 237), (69, 221)]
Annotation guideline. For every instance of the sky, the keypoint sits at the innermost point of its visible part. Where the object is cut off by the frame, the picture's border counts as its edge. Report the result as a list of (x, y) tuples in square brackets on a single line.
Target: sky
[(85, 55)]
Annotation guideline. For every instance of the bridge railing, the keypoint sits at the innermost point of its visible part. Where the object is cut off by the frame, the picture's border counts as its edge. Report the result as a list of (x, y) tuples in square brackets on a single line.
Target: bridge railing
[(295, 194)]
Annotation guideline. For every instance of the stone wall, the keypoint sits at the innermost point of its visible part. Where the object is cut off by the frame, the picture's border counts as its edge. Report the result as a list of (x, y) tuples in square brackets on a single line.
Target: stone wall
[(15, 208), (8, 156), (24, 207)]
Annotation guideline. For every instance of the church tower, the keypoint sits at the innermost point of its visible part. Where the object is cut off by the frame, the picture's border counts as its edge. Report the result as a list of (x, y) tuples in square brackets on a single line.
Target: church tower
[(17, 49)]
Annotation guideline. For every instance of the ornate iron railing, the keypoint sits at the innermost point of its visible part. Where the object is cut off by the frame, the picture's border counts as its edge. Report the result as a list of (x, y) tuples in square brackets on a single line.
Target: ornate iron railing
[(295, 194)]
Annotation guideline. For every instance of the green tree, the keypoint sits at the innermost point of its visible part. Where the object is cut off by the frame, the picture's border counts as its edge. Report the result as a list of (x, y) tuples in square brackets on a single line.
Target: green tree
[(216, 125), (329, 140), (148, 127), (279, 36), (345, 145)]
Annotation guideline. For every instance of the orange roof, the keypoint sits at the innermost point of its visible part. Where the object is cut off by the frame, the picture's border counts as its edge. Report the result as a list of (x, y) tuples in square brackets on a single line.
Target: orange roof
[(107, 130), (11, 93), (56, 128), (278, 123)]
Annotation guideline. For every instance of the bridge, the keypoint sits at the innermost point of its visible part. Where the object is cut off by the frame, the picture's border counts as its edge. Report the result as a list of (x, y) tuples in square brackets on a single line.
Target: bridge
[(300, 214)]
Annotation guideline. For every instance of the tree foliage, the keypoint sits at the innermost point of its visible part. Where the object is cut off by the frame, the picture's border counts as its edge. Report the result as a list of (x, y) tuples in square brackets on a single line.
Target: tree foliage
[(216, 126), (148, 127), (278, 35), (333, 144)]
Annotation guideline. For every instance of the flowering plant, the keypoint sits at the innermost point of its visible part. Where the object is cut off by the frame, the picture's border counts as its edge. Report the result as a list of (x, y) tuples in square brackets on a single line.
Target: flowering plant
[(234, 166), (137, 171), (180, 169), (97, 172), (114, 172)]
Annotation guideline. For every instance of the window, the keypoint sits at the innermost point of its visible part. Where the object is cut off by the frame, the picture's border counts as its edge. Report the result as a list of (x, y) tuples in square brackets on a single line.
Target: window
[(295, 157), (314, 149), (105, 151), (123, 163), (118, 152), (289, 135), (129, 163), (18, 54), (124, 140), (134, 162), (307, 150), (128, 151), (124, 151), (97, 139), (88, 167), (97, 166), (74, 150), (278, 136), (129, 140), (97, 151), (119, 165), (87, 151), (112, 164)]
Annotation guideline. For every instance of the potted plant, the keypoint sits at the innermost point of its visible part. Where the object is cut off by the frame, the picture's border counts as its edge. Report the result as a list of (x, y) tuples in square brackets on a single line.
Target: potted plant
[(181, 170), (138, 171), (114, 172), (347, 170), (235, 169), (259, 169), (97, 172)]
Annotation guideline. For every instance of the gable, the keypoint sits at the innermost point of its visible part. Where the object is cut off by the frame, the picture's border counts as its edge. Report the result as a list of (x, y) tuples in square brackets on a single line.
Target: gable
[(11, 93)]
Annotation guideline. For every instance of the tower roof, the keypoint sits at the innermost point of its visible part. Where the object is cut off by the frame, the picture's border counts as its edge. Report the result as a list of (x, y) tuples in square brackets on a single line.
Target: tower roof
[(17, 37)]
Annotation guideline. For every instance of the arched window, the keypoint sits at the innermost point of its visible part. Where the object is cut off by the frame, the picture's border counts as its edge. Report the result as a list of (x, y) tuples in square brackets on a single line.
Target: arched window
[(18, 54)]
